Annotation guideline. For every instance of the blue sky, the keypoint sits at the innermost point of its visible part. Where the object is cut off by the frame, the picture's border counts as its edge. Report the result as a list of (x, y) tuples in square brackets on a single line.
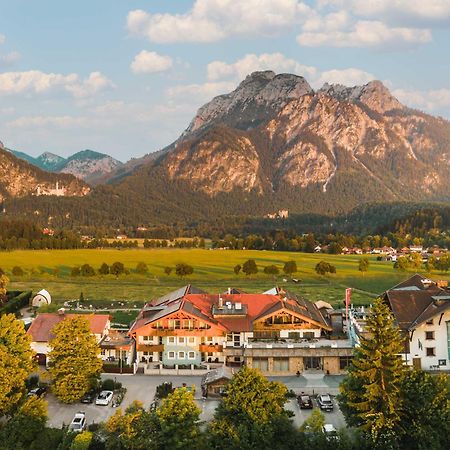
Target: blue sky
[(126, 77)]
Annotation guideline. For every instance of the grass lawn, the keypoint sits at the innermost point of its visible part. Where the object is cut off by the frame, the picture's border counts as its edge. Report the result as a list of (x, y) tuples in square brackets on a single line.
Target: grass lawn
[(213, 272)]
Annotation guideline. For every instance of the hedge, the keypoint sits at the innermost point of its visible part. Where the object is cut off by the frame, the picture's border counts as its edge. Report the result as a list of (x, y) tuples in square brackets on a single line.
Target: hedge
[(16, 301)]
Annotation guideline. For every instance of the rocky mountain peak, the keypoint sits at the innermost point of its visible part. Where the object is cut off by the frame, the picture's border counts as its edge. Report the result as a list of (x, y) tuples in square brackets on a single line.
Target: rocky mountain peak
[(257, 98), (374, 94)]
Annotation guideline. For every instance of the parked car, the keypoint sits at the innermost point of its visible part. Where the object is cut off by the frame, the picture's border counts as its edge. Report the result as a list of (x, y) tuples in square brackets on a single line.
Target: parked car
[(104, 398), (39, 391), (325, 403), (305, 401), (78, 423), (330, 431), (89, 397)]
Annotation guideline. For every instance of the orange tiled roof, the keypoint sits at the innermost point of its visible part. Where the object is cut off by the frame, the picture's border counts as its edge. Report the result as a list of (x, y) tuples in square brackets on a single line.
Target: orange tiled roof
[(41, 328)]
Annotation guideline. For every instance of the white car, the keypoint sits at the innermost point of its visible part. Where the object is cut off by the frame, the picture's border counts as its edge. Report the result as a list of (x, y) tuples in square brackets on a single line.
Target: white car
[(104, 398), (330, 431), (78, 423)]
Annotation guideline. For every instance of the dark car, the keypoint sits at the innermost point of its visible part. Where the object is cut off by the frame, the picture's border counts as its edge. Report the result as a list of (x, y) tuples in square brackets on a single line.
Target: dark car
[(89, 397), (305, 401), (39, 391), (325, 403)]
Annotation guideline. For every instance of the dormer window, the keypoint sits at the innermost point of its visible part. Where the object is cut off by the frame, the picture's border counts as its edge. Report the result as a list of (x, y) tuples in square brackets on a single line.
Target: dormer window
[(429, 322)]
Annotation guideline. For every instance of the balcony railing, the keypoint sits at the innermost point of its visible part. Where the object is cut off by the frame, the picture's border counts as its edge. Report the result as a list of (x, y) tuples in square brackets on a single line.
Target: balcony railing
[(210, 348)]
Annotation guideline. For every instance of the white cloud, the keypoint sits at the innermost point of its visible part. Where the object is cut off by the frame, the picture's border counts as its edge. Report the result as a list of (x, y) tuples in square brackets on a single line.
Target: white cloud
[(150, 62), (213, 20), (35, 81), (366, 33), (199, 93), (347, 77), (431, 100), (251, 63), (2, 38), (44, 121), (9, 58), (417, 12), (237, 71)]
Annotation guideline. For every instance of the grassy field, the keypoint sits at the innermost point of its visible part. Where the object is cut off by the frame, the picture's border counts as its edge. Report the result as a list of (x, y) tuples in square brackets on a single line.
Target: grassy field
[(213, 272)]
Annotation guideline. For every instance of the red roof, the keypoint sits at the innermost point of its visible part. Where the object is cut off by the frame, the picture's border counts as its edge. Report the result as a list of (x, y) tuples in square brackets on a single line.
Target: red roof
[(41, 327)]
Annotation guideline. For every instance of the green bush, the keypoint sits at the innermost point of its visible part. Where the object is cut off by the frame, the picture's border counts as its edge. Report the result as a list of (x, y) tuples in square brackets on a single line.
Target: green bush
[(15, 302), (110, 385)]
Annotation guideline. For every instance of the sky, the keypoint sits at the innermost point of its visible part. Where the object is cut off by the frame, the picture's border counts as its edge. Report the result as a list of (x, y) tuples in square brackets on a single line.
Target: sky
[(125, 77)]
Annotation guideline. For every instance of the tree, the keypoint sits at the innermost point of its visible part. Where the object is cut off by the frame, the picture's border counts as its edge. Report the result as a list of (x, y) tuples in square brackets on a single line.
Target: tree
[(82, 441), (271, 270), (18, 271), (426, 411), (141, 268), (74, 361), (75, 272), (168, 270), (4, 280), (183, 270), (16, 362), (237, 268), (402, 263), (363, 265), (26, 424), (314, 423), (117, 269), (290, 267), (323, 267), (370, 394), (87, 270), (251, 414), (178, 420), (104, 269), (250, 267)]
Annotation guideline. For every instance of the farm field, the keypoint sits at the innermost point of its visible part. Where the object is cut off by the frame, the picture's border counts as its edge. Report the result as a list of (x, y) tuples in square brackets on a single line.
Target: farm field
[(213, 272)]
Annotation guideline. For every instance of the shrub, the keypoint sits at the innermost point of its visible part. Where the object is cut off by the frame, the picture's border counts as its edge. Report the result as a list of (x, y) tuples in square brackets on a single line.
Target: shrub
[(18, 271)]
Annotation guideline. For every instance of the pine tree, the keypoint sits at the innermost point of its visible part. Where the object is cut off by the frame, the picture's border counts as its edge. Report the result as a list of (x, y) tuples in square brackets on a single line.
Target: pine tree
[(371, 393)]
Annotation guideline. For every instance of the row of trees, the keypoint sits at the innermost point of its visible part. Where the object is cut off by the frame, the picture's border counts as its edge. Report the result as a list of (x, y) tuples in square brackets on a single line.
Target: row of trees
[(250, 267)]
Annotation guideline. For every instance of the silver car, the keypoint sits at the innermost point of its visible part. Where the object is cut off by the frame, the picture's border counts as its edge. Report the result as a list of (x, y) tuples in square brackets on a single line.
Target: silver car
[(78, 423), (104, 398)]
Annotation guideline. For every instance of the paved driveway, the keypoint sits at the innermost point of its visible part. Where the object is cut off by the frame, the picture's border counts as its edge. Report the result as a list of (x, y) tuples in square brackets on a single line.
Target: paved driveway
[(143, 388)]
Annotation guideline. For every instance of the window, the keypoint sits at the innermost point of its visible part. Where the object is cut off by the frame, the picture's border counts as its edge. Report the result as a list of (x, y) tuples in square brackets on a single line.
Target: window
[(429, 322), (192, 340), (209, 339), (261, 364), (146, 338), (171, 340), (344, 362), (177, 324), (429, 335), (280, 364), (181, 339), (146, 353), (210, 354), (103, 352), (191, 355), (181, 355), (171, 355), (431, 351)]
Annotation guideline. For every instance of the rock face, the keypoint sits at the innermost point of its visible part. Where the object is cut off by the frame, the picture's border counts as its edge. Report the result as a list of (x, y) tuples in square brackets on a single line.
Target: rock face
[(87, 165), (351, 144), (19, 179)]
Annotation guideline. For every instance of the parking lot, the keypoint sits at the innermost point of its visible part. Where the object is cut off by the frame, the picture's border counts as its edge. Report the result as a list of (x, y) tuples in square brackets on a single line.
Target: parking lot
[(143, 388)]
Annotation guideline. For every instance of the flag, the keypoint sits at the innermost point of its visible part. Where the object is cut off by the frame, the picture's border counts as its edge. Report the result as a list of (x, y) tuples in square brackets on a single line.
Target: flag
[(348, 293)]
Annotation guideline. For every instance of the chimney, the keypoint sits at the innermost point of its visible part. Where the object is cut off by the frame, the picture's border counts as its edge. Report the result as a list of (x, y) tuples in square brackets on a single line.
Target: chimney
[(229, 291), (220, 302), (442, 284), (61, 311)]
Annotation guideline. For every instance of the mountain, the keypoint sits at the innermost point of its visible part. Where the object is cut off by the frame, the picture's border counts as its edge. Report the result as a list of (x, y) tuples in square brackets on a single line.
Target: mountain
[(87, 165), (274, 143), (20, 178), (326, 151)]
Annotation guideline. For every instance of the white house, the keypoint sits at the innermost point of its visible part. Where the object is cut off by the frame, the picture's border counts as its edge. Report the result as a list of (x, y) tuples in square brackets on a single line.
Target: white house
[(41, 330), (421, 308)]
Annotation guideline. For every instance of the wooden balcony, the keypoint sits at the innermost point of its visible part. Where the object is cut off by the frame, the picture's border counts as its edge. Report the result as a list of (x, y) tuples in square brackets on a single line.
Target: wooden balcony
[(150, 348), (283, 326), (210, 348)]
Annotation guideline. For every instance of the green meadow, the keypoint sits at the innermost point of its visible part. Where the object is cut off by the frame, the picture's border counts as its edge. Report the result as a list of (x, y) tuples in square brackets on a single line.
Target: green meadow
[(213, 272)]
